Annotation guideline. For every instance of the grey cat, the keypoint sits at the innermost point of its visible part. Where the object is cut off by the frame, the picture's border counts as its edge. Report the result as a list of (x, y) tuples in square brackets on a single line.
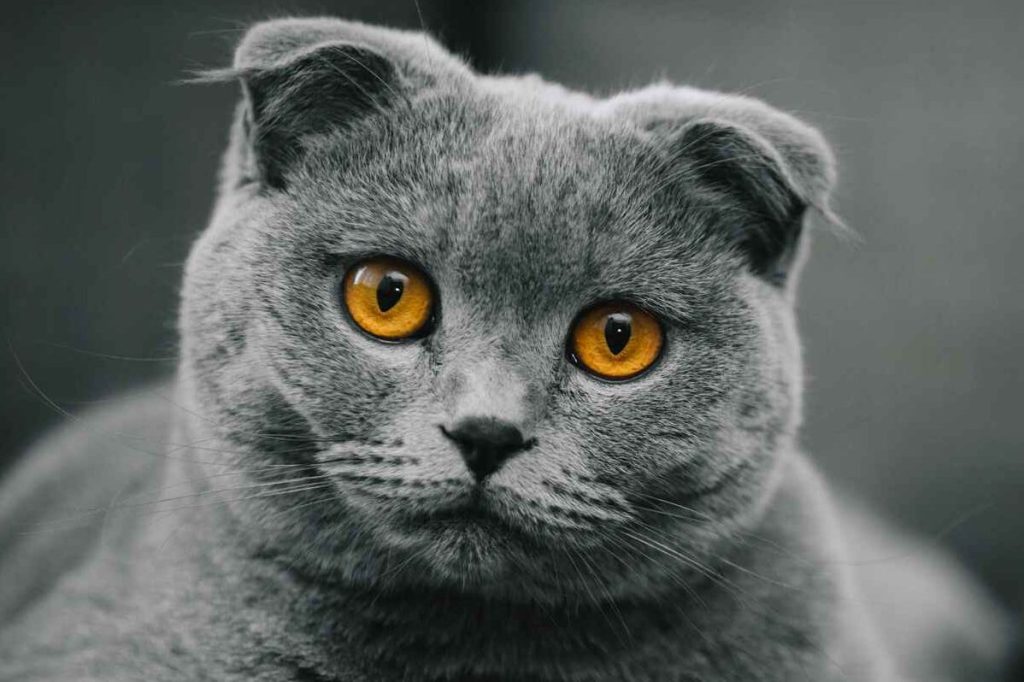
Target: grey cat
[(480, 379)]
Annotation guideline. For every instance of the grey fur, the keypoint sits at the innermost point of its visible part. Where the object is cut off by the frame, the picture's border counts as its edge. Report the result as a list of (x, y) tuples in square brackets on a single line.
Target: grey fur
[(665, 528)]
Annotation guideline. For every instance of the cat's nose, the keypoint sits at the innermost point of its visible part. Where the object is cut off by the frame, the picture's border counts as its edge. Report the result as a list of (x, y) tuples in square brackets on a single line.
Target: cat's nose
[(486, 443)]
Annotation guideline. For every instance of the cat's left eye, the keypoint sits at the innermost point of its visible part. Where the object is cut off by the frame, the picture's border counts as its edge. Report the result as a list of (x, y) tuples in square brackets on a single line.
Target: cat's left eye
[(388, 298)]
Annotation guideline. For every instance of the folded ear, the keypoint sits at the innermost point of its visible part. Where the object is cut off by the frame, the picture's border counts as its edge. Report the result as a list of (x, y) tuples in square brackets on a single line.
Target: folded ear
[(304, 77), (759, 168), (762, 197)]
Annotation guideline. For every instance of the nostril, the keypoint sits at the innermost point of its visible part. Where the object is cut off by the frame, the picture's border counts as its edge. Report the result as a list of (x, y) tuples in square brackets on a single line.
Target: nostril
[(485, 443)]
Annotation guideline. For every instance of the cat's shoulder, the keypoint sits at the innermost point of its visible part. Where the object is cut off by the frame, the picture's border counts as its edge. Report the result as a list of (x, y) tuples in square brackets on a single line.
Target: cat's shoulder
[(930, 613), (53, 499)]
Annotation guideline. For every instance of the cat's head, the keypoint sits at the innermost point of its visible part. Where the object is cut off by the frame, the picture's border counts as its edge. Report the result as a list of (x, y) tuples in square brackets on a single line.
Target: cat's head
[(489, 333)]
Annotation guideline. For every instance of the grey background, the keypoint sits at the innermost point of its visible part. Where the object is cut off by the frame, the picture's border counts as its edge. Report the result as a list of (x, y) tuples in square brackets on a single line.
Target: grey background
[(912, 330)]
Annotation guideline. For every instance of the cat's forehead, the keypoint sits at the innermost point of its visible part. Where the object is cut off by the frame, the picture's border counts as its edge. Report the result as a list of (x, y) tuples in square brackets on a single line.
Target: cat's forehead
[(552, 210), (539, 205)]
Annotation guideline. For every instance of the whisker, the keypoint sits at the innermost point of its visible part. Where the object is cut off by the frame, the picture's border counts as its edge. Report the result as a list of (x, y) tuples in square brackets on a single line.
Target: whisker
[(620, 546), (109, 356), (741, 595), (68, 522)]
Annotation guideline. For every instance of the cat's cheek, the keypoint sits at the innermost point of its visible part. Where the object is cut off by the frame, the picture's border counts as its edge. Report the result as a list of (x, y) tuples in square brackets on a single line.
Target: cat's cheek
[(334, 383)]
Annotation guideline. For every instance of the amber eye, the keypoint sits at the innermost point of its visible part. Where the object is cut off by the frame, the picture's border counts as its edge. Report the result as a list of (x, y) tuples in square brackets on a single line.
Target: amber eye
[(388, 298), (615, 340)]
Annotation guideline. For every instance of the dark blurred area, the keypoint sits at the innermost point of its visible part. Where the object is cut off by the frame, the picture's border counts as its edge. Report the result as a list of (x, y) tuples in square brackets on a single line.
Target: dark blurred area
[(913, 330)]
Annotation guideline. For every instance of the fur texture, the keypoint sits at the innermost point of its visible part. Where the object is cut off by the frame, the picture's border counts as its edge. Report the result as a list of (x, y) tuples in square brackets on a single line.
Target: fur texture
[(664, 528)]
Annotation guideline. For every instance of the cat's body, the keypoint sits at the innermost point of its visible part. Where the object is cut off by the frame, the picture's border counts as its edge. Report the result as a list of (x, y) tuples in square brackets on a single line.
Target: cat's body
[(292, 507)]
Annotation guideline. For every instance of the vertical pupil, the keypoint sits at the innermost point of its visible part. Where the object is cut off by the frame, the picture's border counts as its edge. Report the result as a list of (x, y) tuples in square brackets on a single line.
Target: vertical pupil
[(617, 330), (389, 290)]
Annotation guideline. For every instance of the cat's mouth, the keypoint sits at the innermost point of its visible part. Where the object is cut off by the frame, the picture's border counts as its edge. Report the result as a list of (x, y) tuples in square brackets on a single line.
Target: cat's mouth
[(472, 511), (472, 526)]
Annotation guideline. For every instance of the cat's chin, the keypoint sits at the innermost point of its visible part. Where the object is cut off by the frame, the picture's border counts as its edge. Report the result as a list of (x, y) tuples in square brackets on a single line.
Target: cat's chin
[(487, 539), (465, 543)]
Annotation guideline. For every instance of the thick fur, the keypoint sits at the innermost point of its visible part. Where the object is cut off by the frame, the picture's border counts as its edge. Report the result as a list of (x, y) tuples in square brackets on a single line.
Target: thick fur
[(302, 518)]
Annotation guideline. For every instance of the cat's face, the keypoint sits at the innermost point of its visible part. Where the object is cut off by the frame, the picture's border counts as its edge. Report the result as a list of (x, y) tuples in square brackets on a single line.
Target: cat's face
[(513, 215)]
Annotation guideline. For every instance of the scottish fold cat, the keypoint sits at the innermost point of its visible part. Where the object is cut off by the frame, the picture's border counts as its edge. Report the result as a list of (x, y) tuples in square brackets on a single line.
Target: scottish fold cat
[(480, 379)]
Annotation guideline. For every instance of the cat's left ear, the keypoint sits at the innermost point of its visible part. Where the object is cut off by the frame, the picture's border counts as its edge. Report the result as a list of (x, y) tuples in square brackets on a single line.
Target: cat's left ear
[(760, 169)]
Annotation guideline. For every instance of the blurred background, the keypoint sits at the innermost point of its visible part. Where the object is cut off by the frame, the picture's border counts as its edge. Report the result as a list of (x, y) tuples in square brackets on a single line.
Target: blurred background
[(913, 330)]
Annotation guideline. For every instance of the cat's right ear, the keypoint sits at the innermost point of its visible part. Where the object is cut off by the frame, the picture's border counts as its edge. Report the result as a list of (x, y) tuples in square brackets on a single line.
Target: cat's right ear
[(306, 77)]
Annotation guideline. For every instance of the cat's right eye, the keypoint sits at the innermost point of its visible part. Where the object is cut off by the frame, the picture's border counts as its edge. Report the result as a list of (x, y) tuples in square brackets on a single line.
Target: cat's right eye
[(388, 298)]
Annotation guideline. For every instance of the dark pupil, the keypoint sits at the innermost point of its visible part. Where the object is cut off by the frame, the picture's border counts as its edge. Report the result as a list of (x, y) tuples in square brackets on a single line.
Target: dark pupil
[(390, 289), (617, 330)]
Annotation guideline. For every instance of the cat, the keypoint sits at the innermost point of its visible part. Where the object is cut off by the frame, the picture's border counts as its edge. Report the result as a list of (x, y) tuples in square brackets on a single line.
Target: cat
[(480, 379)]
